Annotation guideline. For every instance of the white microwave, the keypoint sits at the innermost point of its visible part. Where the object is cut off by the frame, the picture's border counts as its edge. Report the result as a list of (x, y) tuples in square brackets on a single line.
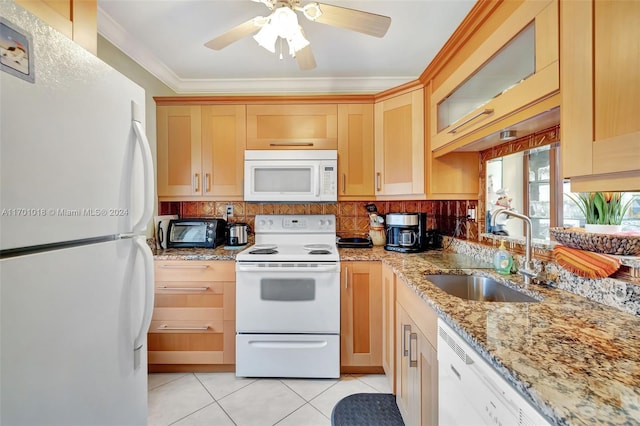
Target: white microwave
[(291, 176)]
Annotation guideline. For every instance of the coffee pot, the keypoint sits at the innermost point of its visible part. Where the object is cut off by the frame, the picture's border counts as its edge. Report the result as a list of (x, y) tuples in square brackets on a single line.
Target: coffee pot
[(406, 232)]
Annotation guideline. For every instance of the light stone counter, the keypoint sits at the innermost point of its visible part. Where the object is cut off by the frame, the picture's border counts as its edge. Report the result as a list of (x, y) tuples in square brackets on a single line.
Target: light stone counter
[(578, 361)]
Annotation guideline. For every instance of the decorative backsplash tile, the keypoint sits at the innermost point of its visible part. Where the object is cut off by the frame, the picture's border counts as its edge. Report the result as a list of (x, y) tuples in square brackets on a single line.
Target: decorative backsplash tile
[(351, 216)]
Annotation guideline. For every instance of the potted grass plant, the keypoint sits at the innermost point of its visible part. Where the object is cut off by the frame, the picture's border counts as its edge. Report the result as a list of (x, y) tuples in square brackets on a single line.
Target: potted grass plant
[(603, 211)]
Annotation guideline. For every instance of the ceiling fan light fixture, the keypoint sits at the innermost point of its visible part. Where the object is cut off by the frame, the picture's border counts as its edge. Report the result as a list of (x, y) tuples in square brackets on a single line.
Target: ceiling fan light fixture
[(267, 37), (312, 11), (285, 21), (297, 42)]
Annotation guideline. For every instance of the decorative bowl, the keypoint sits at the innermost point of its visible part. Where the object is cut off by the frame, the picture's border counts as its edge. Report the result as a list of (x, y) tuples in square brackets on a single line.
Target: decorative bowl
[(618, 244)]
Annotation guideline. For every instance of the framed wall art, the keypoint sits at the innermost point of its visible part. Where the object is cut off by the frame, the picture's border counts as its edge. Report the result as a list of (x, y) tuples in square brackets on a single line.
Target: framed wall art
[(16, 51)]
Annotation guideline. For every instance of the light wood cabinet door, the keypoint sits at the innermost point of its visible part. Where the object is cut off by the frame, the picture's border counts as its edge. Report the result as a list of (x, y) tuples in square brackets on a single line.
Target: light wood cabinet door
[(360, 316), (428, 378), (193, 318), (416, 358), (600, 129), (399, 145), (305, 126), (355, 151), (389, 325), (223, 145), (407, 379), (179, 151), (77, 20)]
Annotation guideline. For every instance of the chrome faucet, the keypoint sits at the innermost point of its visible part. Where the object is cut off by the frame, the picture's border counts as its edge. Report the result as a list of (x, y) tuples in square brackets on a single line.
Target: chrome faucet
[(528, 272)]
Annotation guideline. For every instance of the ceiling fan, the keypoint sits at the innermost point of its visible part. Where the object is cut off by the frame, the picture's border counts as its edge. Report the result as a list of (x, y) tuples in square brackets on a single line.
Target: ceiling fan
[(283, 23)]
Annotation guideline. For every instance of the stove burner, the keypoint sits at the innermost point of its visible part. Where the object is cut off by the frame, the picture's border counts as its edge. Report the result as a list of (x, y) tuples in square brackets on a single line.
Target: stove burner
[(263, 251), (264, 246), (316, 247), (320, 252)]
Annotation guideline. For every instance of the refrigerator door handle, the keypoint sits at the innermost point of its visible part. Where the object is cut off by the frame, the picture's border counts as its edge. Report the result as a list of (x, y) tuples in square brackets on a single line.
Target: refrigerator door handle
[(147, 163), (141, 337)]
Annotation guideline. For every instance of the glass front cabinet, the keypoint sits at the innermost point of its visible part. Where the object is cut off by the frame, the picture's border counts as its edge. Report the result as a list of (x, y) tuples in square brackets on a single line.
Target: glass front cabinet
[(512, 75)]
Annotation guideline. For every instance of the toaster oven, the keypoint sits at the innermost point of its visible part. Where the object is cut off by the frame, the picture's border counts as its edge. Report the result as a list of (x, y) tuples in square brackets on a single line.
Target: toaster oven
[(193, 233)]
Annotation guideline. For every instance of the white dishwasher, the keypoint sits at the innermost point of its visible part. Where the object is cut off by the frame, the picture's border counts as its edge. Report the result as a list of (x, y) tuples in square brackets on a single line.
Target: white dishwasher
[(471, 392)]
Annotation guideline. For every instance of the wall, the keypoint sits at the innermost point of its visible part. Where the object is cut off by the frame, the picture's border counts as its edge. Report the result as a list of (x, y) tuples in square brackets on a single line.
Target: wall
[(152, 86), (351, 216)]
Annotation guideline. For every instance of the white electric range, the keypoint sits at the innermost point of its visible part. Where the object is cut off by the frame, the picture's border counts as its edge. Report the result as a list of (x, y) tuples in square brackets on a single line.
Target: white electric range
[(288, 299)]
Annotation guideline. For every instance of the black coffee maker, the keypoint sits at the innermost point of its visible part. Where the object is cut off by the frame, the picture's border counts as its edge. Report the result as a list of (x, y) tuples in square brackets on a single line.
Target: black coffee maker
[(406, 232)]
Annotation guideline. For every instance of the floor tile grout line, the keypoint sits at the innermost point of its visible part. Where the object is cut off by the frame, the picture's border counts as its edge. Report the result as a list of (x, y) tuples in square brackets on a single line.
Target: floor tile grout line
[(216, 401), (181, 375), (303, 398), (294, 411), (305, 403), (200, 409)]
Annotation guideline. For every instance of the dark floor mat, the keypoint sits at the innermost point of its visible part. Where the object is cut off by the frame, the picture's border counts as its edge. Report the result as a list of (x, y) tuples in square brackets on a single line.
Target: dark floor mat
[(367, 409)]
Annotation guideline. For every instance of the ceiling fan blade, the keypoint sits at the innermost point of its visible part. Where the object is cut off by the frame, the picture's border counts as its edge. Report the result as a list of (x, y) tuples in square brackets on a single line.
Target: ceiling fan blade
[(234, 34), (356, 20), (305, 58)]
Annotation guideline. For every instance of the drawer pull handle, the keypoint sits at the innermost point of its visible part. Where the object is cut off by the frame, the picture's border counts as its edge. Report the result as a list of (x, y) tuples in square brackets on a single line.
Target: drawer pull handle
[(164, 287), (483, 112), (184, 266), (166, 327), (196, 182), (406, 328), (291, 144), (413, 349)]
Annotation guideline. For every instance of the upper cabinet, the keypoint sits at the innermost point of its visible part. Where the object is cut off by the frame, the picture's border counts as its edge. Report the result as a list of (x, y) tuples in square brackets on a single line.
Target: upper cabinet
[(399, 145), (504, 80), (291, 126), (223, 143), (78, 20), (200, 151), (355, 151), (600, 130), (179, 150)]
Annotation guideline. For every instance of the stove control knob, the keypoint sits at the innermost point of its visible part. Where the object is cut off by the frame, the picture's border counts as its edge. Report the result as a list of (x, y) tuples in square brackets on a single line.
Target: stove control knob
[(209, 239)]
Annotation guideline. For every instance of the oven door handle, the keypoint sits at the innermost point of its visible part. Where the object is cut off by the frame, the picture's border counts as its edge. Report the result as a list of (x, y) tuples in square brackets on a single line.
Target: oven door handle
[(255, 268)]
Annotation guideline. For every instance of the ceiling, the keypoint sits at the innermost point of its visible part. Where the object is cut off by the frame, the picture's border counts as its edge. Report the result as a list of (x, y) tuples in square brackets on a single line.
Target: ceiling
[(167, 38)]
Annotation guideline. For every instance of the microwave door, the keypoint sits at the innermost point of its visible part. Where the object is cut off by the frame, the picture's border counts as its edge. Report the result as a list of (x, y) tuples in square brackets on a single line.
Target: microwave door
[(282, 181)]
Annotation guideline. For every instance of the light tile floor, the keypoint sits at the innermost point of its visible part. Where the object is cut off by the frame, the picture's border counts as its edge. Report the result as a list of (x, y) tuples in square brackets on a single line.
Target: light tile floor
[(221, 399)]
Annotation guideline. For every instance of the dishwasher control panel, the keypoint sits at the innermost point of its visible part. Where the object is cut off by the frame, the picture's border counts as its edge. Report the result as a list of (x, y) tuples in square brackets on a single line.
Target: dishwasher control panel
[(470, 391)]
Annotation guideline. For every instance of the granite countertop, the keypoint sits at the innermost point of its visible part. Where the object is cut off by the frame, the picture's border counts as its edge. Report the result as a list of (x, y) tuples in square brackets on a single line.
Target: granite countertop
[(576, 360), (218, 253)]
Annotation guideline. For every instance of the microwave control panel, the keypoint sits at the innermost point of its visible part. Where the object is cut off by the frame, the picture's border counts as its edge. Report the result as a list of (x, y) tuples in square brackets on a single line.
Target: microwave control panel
[(329, 178)]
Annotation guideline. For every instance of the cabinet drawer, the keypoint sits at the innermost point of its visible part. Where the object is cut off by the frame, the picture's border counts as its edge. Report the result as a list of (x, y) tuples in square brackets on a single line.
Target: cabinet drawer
[(173, 342), (292, 126), (186, 327), (194, 270), (187, 314)]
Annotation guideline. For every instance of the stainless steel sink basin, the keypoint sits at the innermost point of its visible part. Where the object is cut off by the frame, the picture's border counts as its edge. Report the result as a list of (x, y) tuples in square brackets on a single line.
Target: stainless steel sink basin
[(484, 289)]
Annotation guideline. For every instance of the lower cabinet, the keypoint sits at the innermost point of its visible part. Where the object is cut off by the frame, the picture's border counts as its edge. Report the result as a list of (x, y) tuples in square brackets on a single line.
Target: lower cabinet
[(360, 317), (416, 359), (389, 325), (193, 323)]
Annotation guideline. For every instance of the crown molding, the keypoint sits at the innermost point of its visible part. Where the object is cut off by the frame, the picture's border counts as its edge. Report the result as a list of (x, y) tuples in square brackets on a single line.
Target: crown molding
[(118, 36)]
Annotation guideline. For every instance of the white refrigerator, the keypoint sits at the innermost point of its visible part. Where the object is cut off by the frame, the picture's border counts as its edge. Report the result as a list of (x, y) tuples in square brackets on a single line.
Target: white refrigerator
[(76, 273)]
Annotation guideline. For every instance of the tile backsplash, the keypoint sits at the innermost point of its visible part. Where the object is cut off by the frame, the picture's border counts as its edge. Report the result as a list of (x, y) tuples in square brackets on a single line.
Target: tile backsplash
[(351, 216)]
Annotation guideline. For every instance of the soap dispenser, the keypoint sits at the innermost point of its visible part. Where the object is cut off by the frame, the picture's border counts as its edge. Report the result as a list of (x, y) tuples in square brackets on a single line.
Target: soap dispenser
[(502, 260)]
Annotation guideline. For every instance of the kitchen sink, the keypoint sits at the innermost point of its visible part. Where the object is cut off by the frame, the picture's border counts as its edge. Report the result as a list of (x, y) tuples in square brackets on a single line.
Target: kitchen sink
[(483, 289)]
